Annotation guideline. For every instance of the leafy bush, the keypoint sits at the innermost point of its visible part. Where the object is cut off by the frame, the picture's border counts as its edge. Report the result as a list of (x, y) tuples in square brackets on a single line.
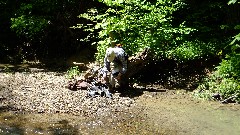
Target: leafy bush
[(190, 50), (38, 27), (137, 25), (73, 72), (225, 80), (28, 25)]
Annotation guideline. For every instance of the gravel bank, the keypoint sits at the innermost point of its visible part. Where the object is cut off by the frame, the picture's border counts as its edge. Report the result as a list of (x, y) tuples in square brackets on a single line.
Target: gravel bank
[(45, 92)]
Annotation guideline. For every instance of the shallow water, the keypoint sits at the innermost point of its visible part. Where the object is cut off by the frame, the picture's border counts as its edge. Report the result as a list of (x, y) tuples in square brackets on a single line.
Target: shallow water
[(171, 113), (58, 124), (16, 123), (182, 114)]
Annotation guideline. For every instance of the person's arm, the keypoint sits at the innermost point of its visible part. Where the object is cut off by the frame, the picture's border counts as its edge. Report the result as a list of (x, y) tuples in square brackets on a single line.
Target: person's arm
[(124, 62), (106, 66)]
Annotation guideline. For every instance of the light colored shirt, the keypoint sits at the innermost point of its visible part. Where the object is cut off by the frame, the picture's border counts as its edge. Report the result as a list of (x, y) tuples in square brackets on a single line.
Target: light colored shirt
[(120, 61)]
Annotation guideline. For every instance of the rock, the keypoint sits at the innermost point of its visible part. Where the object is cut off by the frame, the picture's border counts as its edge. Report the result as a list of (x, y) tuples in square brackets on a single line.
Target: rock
[(44, 92), (216, 96), (82, 85)]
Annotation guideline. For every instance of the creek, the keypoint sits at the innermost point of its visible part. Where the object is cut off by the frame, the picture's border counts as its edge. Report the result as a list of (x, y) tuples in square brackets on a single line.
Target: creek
[(171, 112)]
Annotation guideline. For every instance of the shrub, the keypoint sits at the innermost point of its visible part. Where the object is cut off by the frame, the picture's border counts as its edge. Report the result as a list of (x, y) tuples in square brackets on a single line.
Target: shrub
[(137, 25), (190, 50), (225, 80), (73, 72)]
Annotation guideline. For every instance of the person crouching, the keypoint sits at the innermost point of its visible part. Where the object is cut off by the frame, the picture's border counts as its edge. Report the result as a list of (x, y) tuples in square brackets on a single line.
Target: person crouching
[(115, 66)]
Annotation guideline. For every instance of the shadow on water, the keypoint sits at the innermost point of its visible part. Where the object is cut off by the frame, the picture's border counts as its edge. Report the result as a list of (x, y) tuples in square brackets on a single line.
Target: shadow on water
[(64, 128), (138, 91), (11, 130), (18, 124), (10, 124)]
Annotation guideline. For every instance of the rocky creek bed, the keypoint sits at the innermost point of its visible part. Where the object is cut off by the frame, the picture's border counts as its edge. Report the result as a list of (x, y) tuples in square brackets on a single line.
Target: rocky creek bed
[(46, 92), (38, 102)]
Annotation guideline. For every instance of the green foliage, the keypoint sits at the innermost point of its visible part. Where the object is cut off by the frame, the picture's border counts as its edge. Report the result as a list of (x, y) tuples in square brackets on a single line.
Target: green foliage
[(232, 2), (40, 28), (190, 50), (7, 69), (27, 25), (137, 25), (225, 80), (235, 42), (73, 72)]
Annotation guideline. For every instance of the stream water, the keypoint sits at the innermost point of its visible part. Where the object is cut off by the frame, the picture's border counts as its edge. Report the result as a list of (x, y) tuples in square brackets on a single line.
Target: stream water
[(169, 113), (156, 113)]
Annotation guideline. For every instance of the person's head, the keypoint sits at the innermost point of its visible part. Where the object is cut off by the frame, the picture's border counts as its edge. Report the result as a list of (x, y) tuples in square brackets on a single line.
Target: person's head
[(119, 45), (110, 54)]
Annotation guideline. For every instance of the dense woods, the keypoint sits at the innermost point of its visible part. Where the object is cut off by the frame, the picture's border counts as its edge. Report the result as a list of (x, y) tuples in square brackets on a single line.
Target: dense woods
[(178, 30)]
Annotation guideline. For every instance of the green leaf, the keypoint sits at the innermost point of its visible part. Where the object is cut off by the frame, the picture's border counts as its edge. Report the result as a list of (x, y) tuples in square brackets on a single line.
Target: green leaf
[(237, 27), (232, 2), (236, 38)]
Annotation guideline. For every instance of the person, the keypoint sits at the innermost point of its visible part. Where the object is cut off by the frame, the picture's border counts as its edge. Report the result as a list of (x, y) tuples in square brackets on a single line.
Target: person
[(115, 63)]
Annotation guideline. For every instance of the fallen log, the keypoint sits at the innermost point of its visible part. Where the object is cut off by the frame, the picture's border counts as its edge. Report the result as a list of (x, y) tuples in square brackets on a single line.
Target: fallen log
[(225, 101), (135, 64), (138, 62)]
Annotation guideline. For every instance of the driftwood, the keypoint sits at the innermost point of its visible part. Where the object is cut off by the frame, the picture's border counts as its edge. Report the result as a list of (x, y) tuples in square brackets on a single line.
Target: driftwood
[(225, 101)]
